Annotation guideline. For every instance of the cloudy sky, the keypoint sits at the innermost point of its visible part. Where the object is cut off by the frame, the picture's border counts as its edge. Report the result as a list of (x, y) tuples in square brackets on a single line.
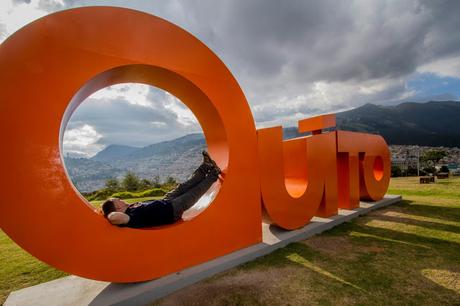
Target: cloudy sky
[(292, 58)]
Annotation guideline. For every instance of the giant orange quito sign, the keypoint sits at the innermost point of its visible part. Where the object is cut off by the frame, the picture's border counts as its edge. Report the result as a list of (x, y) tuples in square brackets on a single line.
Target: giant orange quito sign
[(51, 65)]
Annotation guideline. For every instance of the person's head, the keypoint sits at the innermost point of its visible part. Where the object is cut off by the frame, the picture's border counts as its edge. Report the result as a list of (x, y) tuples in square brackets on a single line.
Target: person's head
[(113, 205), (114, 210)]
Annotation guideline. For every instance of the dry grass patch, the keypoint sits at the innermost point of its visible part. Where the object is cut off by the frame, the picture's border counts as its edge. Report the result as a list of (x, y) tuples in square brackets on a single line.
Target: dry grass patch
[(340, 246), (238, 287)]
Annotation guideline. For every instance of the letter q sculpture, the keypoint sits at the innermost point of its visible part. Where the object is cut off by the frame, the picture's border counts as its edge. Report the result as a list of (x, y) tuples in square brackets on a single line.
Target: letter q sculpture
[(51, 65)]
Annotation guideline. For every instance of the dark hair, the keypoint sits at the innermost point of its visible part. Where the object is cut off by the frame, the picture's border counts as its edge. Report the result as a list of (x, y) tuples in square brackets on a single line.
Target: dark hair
[(108, 207)]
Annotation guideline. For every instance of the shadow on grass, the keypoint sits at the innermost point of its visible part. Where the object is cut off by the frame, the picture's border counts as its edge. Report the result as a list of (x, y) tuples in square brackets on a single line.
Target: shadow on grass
[(367, 278), (441, 212), (422, 223), (396, 274)]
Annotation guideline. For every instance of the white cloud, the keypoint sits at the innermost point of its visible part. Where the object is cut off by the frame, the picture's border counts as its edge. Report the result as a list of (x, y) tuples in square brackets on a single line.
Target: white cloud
[(184, 115), (129, 114), (82, 141), (147, 96), (13, 15), (134, 93), (294, 103), (445, 67), (159, 124)]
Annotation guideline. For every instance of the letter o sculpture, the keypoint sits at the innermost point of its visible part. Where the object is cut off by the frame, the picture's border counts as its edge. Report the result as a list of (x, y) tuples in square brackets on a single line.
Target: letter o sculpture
[(47, 69)]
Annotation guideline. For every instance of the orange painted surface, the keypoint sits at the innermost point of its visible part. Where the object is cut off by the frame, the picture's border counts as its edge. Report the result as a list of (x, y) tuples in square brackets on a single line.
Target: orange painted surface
[(325, 155), (48, 68), (316, 175), (317, 123), (348, 179), (298, 177), (365, 166)]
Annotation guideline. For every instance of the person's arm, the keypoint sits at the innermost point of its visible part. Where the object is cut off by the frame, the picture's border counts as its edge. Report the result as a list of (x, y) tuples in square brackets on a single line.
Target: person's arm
[(118, 218)]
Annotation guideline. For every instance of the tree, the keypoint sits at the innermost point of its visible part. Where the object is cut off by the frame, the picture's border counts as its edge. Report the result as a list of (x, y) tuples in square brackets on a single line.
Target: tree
[(395, 171), (131, 182), (432, 158), (169, 184), (171, 181), (444, 169), (112, 184), (411, 171), (156, 182), (429, 170), (145, 184)]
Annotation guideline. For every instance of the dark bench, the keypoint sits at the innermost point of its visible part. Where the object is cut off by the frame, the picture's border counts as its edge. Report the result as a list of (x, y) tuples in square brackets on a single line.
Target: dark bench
[(427, 179), (442, 175)]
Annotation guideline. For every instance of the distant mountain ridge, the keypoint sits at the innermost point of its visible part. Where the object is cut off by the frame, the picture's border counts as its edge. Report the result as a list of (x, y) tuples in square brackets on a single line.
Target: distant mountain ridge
[(431, 124), (119, 152), (113, 152), (177, 158), (410, 123)]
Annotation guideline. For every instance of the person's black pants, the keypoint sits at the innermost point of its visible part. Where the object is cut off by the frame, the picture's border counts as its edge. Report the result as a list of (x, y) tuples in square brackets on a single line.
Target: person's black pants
[(186, 194)]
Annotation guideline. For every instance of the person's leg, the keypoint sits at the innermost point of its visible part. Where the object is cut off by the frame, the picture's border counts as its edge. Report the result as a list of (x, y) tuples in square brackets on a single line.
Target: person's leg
[(197, 176), (189, 198)]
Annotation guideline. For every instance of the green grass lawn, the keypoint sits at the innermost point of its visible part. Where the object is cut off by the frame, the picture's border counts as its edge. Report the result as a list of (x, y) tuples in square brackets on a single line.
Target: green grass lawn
[(406, 254)]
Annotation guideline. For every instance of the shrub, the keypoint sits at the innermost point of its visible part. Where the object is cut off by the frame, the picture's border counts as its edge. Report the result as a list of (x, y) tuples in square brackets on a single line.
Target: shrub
[(131, 182), (411, 171), (100, 195), (171, 181), (156, 181), (112, 184), (124, 195), (444, 169), (145, 184), (155, 192), (395, 171)]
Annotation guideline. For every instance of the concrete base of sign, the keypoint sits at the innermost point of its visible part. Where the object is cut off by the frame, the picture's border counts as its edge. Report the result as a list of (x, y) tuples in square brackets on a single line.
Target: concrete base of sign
[(73, 290)]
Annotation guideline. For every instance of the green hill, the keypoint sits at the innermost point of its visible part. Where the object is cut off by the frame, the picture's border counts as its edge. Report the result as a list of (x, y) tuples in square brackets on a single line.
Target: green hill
[(427, 124)]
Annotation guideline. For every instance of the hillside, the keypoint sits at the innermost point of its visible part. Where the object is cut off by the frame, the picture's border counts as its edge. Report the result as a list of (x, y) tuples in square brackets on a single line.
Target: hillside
[(113, 152), (177, 158), (427, 124), (164, 149), (88, 175)]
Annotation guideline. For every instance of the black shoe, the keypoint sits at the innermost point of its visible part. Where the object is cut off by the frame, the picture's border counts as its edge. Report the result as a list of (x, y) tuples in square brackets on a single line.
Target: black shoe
[(214, 173), (208, 160)]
